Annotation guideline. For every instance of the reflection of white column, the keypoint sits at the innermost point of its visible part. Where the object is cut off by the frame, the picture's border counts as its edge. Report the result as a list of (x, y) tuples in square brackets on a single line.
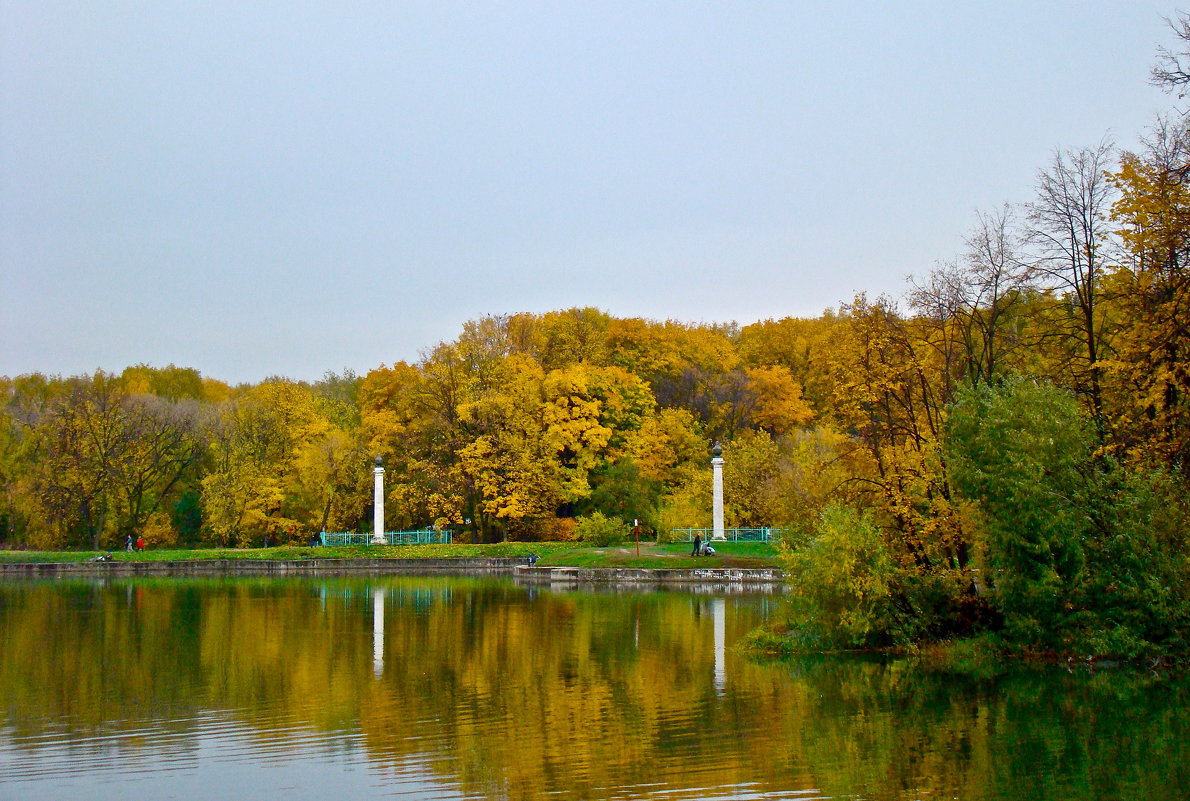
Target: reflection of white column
[(378, 504), (717, 493), (378, 633), (719, 614)]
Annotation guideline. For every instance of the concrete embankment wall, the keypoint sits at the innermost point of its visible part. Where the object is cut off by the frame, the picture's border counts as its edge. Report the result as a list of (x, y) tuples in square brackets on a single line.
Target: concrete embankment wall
[(520, 567), (261, 567), (727, 576)]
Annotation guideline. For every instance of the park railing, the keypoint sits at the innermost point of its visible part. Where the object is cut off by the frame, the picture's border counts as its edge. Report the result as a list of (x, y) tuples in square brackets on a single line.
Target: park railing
[(763, 534), (423, 536)]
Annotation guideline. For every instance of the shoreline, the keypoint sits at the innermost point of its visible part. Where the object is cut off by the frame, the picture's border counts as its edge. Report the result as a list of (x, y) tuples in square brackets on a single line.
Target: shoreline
[(521, 567)]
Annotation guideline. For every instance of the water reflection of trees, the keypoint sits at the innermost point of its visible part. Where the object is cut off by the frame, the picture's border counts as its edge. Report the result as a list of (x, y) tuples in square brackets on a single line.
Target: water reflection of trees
[(516, 693), (885, 730)]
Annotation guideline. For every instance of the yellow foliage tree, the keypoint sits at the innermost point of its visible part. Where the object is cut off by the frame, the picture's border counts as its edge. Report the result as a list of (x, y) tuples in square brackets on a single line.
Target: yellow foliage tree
[(256, 442), (508, 461), (888, 398), (1152, 291), (775, 400)]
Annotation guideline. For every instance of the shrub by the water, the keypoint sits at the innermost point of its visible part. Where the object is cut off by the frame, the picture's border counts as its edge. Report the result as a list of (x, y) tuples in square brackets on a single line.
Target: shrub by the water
[(1082, 556), (596, 529)]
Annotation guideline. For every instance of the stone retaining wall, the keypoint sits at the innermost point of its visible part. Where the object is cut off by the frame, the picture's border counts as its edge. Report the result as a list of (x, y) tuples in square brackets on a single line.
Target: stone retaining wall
[(658, 576), (260, 567), (521, 567)]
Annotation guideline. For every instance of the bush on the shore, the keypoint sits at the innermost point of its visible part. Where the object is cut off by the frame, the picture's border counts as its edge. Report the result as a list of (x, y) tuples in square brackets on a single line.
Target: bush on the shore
[(596, 529)]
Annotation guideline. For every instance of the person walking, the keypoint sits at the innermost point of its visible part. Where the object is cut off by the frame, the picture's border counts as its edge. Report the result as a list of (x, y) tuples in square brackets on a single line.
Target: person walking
[(128, 543), (697, 545)]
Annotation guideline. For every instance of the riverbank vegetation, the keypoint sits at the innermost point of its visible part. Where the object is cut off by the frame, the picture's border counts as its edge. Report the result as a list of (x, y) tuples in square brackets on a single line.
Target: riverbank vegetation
[(1004, 450)]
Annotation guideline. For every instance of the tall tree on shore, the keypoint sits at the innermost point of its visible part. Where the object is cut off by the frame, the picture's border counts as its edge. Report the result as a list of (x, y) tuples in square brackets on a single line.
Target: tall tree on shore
[(81, 440), (974, 301), (1152, 288), (255, 442), (891, 399), (162, 444), (1172, 70), (1070, 230)]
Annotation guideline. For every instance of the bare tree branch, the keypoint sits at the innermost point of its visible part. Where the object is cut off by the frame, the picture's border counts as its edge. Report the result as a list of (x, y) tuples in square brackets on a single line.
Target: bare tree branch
[(1170, 72)]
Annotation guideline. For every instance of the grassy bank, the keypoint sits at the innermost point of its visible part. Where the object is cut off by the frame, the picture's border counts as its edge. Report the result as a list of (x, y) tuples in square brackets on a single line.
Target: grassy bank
[(665, 555), (559, 554)]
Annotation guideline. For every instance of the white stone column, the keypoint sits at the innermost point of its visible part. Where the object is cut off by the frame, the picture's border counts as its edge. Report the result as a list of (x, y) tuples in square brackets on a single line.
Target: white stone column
[(378, 504), (717, 493)]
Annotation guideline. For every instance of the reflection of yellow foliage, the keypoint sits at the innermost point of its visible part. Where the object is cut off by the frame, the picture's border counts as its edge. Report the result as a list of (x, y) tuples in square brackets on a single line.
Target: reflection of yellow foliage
[(500, 694)]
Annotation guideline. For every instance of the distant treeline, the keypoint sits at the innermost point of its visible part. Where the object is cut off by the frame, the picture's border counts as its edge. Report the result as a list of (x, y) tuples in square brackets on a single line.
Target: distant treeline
[(1006, 448)]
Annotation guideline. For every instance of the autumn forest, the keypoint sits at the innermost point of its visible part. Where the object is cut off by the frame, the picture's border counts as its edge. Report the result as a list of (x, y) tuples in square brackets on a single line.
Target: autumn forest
[(1005, 448)]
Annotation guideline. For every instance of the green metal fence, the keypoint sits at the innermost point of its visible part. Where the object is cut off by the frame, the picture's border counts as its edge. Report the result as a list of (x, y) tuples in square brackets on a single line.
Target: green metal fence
[(764, 534), (424, 536)]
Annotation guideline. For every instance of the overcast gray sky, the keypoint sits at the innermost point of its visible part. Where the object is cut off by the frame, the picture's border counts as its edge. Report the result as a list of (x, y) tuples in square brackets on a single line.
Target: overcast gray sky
[(256, 188)]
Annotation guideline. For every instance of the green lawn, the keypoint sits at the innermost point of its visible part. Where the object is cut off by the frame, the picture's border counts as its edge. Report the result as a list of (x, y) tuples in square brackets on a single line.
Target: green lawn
[(559, 554), (727, 554)]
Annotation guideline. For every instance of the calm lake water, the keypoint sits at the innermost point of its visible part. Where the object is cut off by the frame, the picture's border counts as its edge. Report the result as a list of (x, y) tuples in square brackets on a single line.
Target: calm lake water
[(453, 688)]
